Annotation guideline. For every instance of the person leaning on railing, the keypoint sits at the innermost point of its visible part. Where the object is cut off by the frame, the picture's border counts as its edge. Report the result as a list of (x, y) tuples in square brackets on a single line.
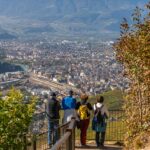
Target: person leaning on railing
[(53, 108)]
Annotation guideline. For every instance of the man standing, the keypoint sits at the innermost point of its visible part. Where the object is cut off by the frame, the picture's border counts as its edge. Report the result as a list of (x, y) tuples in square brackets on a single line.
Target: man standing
[(69, 105), (53, 108)]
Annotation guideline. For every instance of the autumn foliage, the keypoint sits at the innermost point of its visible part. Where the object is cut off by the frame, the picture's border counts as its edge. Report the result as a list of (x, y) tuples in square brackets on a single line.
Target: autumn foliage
[(133, 51)]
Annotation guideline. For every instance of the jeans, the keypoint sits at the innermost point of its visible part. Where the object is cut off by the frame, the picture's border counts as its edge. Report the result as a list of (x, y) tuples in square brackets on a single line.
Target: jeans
[(100, 141), (53, 131)]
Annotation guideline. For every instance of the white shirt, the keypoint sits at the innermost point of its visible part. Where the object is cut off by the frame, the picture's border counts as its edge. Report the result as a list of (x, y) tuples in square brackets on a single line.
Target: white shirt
[(103, 110)]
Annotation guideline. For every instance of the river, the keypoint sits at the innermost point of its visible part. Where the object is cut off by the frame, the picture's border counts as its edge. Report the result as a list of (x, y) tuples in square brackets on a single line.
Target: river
[(10, 67)]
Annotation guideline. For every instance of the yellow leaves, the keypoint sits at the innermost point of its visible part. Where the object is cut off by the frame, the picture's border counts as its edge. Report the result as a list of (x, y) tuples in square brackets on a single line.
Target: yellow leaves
[(133, 51)]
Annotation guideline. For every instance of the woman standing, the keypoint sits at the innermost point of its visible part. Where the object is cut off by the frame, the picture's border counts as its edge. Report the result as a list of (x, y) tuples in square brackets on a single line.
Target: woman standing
[(99, 121), (83, 109)]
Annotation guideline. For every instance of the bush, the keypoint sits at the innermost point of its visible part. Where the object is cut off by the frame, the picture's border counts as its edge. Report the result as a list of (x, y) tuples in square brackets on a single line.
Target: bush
[(15, 117), (133, 50)]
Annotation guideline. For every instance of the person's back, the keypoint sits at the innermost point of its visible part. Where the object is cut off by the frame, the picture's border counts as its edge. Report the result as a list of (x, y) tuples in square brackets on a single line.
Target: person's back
[(99, 124), (83, 109), (53, 108), (69, 105)]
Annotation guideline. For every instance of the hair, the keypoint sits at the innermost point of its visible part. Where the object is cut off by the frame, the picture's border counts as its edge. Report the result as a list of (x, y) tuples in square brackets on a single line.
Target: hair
[(100, 99), (84, 97), (53, 94), (71, 92)]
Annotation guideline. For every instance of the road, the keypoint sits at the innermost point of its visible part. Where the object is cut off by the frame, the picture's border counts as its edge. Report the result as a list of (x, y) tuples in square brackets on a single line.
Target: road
[(51, 84)]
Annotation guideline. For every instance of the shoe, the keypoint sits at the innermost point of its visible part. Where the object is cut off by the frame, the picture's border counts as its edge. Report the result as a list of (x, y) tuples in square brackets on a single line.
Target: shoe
[(84, 145), (50, 145), (98, 144), (102, 146)]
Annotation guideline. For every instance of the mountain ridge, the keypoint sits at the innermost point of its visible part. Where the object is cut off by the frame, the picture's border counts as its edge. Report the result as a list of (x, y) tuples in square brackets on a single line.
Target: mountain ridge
[(65, 17)]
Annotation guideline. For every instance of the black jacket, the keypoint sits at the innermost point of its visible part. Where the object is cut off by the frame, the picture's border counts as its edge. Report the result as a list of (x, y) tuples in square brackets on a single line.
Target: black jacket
[(53, 108)]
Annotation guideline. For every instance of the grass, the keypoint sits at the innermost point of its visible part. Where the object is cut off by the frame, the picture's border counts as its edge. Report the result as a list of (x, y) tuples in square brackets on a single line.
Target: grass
[(112, 99), (115, 128)]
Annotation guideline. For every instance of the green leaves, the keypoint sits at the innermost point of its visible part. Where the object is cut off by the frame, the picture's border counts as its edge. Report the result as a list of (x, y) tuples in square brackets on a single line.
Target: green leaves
[(15, 117)]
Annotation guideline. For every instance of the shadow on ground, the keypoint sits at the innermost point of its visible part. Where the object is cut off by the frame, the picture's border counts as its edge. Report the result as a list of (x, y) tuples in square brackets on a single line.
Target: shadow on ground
[(108, 147)]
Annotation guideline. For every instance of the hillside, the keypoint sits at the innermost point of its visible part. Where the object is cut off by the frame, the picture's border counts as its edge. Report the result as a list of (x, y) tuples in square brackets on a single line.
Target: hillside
[(113, 99), (65, 17)]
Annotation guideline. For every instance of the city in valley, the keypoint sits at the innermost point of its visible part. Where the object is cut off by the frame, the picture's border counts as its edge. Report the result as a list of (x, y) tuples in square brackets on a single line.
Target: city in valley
[(62, 65)]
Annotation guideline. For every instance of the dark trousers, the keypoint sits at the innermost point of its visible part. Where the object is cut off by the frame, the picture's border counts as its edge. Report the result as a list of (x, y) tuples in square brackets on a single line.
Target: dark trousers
[(53, 131), (84, 126), (100, 141)]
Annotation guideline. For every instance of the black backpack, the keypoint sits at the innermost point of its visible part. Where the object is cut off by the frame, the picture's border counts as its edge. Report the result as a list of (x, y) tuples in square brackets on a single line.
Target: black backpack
[(98, 115)]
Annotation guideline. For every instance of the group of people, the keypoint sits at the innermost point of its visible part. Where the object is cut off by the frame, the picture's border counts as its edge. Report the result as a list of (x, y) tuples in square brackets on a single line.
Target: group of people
[(80, 110)]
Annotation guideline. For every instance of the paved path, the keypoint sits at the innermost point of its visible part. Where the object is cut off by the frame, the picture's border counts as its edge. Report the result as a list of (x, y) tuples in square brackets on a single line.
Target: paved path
[(93, 147)]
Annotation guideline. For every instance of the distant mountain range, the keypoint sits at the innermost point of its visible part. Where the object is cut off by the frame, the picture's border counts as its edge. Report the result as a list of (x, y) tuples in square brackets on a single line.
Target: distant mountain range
[(60, 18)]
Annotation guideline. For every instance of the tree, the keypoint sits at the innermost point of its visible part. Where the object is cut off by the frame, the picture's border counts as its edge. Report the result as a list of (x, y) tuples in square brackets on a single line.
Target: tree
[(15, 117), (133, 50)]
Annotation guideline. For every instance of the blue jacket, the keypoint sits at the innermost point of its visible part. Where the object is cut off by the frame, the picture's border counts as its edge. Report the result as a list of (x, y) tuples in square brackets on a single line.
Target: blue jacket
[(68, 103)]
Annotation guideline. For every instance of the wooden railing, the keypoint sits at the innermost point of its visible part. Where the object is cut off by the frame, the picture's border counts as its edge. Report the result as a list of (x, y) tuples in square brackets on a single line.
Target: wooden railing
[(67, 141), (39, 141)]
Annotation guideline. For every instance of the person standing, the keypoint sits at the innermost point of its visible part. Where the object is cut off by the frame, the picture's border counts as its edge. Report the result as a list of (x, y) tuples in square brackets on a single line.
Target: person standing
[(99, 121), (69, 105), (53, 108), (83, 110)]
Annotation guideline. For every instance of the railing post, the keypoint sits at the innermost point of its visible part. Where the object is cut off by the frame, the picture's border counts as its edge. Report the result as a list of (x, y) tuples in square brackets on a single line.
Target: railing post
[(34, 142), (69, 142), (72, 138)]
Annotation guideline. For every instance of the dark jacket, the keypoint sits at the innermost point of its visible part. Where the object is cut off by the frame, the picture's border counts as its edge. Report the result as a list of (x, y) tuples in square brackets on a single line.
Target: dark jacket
[(53, 108)]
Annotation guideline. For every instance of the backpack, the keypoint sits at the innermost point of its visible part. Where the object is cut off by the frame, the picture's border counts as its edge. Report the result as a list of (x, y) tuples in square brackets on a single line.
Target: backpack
[(98, 115), (83, 112)]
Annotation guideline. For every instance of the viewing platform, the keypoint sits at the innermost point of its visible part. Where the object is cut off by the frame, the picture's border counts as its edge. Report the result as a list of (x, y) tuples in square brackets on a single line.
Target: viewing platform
[(69, 136)]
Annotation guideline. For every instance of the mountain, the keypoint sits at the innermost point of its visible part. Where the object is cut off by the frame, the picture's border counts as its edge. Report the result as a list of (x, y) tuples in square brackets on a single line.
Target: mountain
[(65, 17), (5, 35)]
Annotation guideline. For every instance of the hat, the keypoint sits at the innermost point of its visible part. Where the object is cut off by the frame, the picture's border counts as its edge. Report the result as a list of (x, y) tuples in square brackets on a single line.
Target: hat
[(84, 97), (53, 94)]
